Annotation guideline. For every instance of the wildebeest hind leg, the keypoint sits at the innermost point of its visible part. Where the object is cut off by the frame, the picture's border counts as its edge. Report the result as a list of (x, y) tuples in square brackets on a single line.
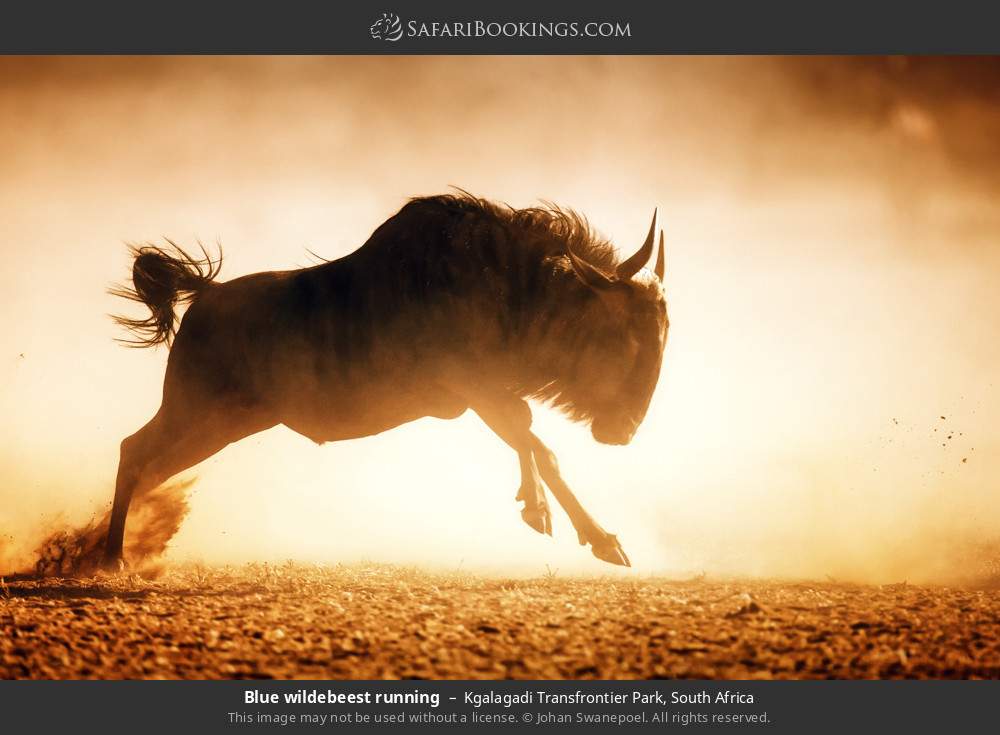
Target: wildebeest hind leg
[(167, 445), (604, 545)]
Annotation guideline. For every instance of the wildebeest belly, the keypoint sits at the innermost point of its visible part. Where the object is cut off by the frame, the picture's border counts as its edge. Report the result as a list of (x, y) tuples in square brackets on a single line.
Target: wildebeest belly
[(336, 413)]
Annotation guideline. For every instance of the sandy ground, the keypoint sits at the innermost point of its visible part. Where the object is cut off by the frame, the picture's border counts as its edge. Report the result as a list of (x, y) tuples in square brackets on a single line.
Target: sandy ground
[(290, 621)]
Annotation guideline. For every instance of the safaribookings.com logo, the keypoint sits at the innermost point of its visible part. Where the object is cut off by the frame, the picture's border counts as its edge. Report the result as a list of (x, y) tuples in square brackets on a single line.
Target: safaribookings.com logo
[(390, 28), (387, 28)]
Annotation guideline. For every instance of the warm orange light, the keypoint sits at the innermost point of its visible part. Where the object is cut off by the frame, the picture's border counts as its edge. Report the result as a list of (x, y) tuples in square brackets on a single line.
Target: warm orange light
[(831, 281)]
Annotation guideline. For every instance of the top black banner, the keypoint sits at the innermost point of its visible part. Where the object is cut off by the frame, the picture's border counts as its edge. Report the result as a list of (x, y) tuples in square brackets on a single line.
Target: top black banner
[(511, 27)]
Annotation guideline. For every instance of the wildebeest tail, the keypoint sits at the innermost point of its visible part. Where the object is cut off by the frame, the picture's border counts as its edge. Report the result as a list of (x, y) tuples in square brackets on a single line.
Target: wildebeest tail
[(162, 278)]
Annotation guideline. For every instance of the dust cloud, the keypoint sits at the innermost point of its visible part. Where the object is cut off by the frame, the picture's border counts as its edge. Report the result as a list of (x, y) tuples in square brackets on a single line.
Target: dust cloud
[(832, 228), (68, 550)]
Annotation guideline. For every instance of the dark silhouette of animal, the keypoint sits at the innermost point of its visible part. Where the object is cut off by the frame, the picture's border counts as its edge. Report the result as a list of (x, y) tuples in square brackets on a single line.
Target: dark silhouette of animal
[(453, 303)]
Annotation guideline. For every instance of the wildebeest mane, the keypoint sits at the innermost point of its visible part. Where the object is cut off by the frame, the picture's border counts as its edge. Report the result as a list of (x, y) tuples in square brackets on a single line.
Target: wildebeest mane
[(545, 311)]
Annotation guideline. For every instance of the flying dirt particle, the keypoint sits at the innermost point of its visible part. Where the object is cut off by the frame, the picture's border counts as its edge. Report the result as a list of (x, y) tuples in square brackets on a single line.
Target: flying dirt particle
[(943, 418), (964, 460), (749, 606)]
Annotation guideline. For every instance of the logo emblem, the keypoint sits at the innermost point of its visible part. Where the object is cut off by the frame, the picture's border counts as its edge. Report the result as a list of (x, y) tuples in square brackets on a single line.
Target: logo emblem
[(387, 28)]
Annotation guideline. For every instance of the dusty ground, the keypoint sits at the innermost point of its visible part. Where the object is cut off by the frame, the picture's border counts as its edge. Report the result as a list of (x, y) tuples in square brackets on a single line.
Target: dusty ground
[(378, 621)]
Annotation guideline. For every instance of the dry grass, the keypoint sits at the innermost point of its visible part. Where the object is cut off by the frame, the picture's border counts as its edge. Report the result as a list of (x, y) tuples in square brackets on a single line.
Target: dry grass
[(376, 621)]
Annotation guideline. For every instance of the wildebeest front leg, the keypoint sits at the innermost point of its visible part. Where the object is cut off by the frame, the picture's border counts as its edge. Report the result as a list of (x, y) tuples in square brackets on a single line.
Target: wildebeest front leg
[(510, 418), (604, 545), (503, 418)]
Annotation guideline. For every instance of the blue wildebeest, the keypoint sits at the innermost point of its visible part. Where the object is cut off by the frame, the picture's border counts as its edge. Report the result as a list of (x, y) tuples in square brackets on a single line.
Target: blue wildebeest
[(453, 303)]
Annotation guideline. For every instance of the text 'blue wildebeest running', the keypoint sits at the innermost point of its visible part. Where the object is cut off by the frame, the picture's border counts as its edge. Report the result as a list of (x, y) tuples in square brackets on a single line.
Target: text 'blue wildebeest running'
[(453, 303)]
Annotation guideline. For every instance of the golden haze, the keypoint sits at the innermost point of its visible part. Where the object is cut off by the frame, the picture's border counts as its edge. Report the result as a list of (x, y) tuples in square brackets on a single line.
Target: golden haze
[(827, 405)]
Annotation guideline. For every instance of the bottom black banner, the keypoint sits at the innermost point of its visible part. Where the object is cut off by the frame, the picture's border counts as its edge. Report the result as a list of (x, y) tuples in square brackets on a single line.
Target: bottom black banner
[(525, 706)]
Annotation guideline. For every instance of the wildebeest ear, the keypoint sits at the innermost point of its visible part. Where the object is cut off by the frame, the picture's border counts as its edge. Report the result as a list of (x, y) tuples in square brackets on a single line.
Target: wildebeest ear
[(658, 270), (593, 277)]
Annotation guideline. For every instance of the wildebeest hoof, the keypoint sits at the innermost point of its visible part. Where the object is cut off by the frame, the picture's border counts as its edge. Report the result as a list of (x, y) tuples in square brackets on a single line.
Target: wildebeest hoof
[(538, 518), (608, 549), (113, 564)]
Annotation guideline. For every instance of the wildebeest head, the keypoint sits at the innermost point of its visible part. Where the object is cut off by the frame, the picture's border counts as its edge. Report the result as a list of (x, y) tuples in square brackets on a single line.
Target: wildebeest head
[(631, 351)]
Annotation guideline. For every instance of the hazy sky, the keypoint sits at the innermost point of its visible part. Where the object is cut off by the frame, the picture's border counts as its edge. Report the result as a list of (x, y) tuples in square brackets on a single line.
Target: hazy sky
[(833, 257)]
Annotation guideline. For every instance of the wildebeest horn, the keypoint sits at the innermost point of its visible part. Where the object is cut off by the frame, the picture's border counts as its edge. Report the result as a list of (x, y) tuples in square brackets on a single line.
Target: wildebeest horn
[(593, 277), (631, 266), (658, 270)]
